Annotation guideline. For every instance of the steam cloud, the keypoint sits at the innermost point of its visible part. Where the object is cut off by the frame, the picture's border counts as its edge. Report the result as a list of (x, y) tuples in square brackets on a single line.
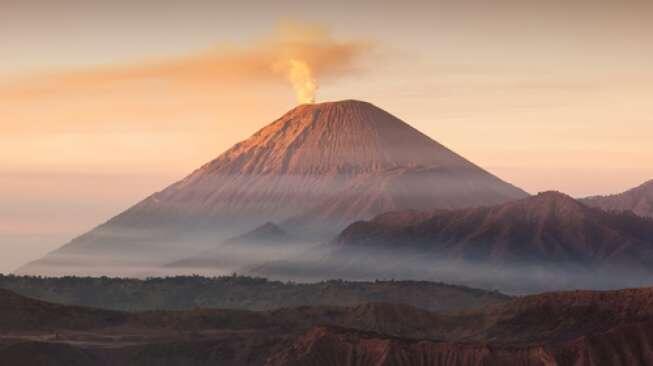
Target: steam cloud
[(297, 53), (302, 79), (305, 53)]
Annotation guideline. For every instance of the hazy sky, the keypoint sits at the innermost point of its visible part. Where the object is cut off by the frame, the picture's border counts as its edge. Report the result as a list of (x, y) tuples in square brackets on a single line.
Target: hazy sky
[(104, 102)]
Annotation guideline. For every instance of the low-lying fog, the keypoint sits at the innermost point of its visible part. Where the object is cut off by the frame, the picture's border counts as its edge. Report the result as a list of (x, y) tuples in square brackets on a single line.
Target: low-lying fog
[(309, 262)]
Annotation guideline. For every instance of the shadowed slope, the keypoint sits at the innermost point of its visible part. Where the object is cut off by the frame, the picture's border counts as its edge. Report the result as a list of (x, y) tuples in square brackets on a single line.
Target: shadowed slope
[(549, 227)]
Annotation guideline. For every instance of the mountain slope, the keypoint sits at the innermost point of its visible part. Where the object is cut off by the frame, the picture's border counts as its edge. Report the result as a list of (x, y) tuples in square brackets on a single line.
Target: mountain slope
[(545, 242), (549, 227), (638, 200), (309, 170)]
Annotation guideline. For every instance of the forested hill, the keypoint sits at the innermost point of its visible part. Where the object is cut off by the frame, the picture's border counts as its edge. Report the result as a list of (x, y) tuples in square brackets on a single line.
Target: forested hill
[(239, 292)]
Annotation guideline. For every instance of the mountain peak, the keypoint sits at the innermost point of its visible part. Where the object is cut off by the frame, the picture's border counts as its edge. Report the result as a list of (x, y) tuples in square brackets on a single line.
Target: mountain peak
[(355, 114), (549, 204), (266, 232), (268, 228), (554, 196), (345, 137), (639, 200), (542, 206), (648, 185), (345, 103)]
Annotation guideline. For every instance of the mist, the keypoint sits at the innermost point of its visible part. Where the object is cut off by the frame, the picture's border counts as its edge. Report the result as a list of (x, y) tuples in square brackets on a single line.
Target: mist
[(394, 264), (312, 261)]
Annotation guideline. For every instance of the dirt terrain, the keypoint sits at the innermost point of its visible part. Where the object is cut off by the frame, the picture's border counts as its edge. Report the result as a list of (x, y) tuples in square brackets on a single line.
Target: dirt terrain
[(565, 328)]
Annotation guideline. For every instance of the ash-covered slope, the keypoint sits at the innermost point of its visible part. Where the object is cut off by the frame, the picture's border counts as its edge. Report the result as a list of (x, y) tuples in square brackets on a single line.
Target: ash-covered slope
[(315, 169), (545, 242), (638, 200)]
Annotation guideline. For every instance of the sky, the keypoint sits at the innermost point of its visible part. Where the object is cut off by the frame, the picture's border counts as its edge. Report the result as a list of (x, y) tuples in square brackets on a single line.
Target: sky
[(105, 102)]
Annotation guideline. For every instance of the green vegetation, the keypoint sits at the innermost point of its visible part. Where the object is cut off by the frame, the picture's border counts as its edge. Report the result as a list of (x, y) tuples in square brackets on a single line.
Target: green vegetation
[(241, 292)]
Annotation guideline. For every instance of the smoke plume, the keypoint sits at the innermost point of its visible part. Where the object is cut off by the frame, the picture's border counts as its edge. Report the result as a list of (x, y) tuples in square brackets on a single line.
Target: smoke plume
[(296, 53), (307, 53), (302, 79)]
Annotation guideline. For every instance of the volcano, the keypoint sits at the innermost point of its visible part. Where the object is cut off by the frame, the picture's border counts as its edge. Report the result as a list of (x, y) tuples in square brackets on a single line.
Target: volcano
[(312, 172)]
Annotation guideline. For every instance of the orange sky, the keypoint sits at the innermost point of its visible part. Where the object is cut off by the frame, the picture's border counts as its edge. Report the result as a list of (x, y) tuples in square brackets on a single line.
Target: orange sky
[(102, 103)]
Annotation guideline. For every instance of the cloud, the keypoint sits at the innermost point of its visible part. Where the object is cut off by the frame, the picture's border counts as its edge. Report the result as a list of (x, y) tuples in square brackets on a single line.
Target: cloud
[(299, 54)]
